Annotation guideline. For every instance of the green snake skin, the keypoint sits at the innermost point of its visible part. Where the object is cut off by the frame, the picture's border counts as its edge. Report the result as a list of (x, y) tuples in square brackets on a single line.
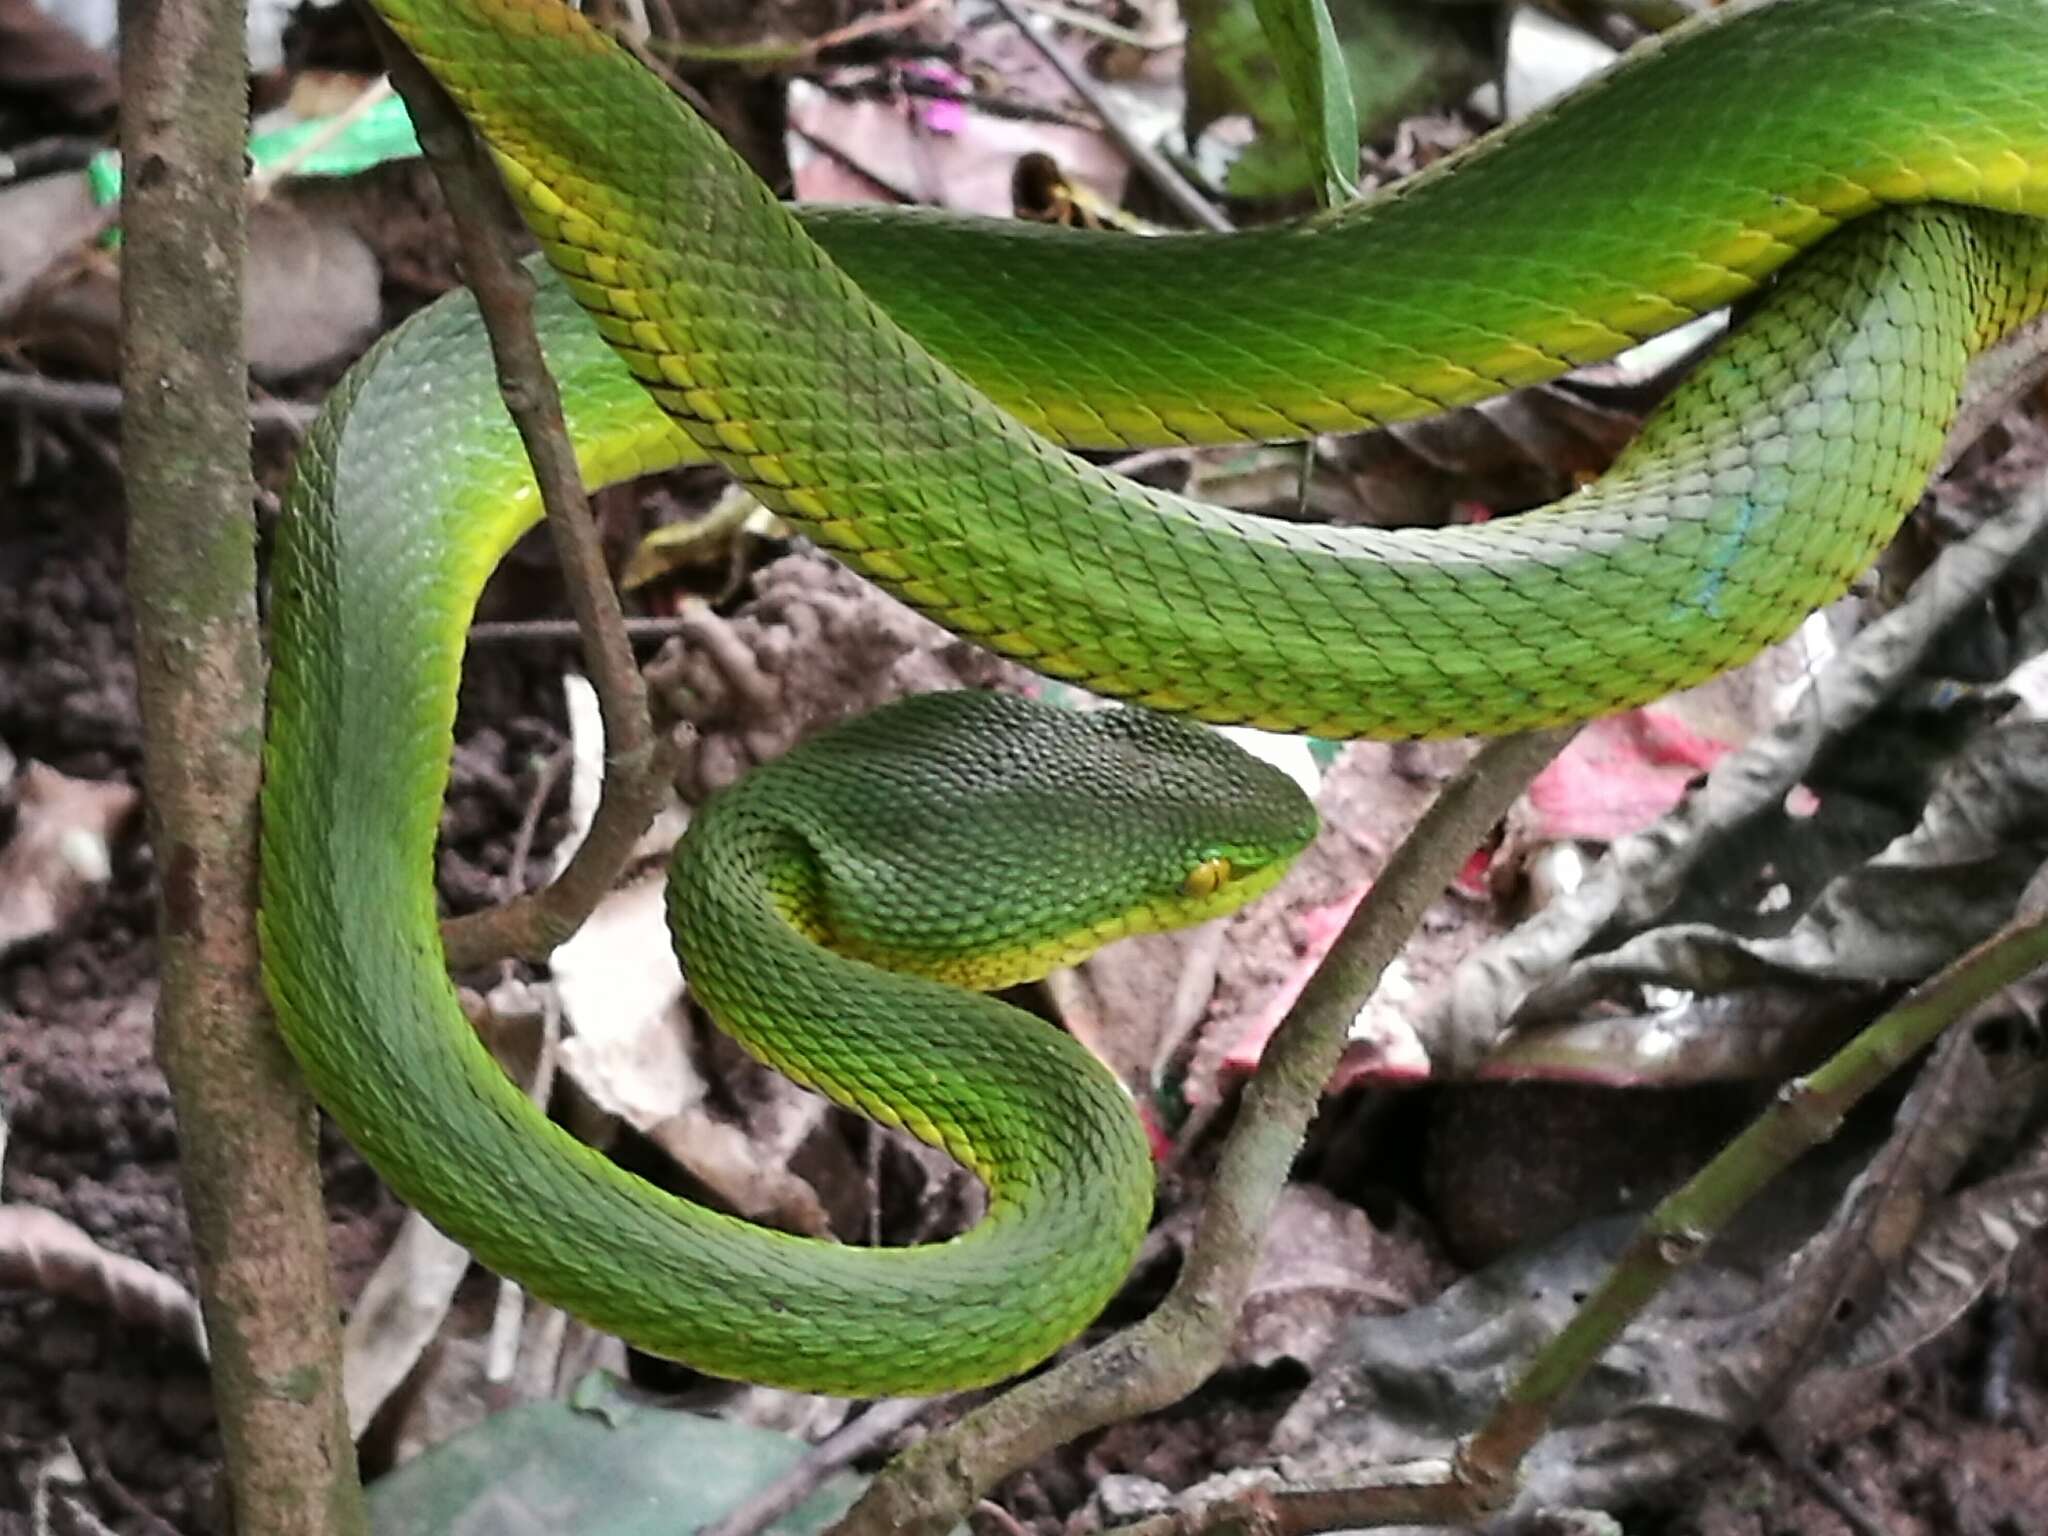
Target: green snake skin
[(883, 381)]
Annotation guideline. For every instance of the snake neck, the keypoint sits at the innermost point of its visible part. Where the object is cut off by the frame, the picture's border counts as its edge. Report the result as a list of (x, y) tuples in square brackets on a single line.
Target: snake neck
[(748, 912)]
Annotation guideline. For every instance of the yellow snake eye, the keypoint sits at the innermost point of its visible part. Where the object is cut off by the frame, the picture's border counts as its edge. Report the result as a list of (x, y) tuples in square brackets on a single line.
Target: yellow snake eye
[(1207, 877)]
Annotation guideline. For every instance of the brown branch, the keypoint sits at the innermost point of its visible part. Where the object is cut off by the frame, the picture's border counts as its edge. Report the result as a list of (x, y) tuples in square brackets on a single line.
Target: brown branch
[(932, 1486), (636, 764), (245, 1121)]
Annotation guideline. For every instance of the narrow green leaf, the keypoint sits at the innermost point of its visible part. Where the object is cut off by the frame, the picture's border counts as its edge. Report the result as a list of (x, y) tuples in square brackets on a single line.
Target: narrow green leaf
[(1304, 44)]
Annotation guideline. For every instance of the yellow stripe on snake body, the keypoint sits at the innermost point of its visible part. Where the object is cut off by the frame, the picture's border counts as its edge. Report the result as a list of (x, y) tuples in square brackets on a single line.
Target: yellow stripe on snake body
[(883, 380)]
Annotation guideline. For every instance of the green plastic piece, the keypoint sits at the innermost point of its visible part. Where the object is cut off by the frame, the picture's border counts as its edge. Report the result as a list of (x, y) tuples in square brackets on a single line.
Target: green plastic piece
[(383, 132)]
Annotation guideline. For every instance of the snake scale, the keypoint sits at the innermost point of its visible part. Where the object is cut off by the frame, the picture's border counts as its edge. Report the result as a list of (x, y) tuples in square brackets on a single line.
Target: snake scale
[(905, 389)]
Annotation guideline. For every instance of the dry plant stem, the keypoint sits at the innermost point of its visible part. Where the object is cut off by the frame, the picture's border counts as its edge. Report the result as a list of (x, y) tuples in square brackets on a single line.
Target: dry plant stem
[(636, 766), (245, 1121), (34, 392), (1808, 1112), (932, 1486), (498, 631), (1155, 165)]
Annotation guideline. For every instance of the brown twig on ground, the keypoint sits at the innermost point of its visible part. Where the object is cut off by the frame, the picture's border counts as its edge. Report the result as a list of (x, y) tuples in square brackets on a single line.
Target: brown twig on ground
[(497, 631), (1178, 190), (246, 1126), (637, 765), (928, 1489), (36, 392)]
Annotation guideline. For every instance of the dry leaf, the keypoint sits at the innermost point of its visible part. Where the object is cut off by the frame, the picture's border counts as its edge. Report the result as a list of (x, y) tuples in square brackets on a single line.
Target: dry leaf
[(59, 851), (41, 1251)]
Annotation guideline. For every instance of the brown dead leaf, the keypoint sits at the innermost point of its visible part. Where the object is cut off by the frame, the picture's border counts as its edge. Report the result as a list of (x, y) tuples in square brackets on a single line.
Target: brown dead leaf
[(920, 133), (41, 1251), (1323, 1262), (312, 293), (42, 221)]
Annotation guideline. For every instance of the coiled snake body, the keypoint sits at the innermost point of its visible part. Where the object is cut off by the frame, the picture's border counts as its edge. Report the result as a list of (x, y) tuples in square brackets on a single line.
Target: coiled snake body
[(890, 383)]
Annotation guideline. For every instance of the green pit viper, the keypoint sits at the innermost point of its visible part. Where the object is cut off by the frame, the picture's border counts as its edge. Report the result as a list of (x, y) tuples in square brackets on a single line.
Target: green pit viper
[(897, 386)]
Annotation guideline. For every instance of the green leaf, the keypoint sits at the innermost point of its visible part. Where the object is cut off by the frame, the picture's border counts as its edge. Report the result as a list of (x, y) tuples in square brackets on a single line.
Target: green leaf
[(606, 1465), (1304, 44)]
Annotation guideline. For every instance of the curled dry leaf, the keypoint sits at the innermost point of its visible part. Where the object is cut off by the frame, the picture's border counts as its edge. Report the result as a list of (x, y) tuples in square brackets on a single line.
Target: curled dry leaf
[(41, 1251), (1897, 916), (1961, 1253), (41, 223), (621, 992), (1742, 807), (312, 294), (59, 851)]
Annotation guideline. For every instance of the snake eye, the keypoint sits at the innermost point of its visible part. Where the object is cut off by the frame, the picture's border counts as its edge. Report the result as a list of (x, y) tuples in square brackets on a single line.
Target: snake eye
[(1207, 877)]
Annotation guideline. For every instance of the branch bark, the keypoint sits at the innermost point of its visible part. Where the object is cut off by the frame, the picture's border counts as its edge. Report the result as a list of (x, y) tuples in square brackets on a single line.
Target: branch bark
[(246, 1125), (637, 764)]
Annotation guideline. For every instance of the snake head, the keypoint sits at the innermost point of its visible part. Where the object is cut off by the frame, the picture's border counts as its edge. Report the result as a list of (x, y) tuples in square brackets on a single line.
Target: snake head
[(985, 839)]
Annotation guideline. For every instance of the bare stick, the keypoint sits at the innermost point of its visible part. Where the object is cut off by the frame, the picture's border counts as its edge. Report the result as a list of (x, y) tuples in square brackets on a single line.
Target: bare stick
[(636, 765), (1177, 188), (497, 631), (245, 1121), (928, 1489), (37, 392)]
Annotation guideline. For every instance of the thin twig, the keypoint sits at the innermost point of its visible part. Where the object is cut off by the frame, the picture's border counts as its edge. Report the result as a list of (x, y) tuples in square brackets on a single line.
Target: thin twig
[(1156, 41), (932, 1486), (248, 1155), (828, 1456), (1808, 1111), (636, 763), (789, 55), (535, 631), (36, 392), (1179, 191)]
